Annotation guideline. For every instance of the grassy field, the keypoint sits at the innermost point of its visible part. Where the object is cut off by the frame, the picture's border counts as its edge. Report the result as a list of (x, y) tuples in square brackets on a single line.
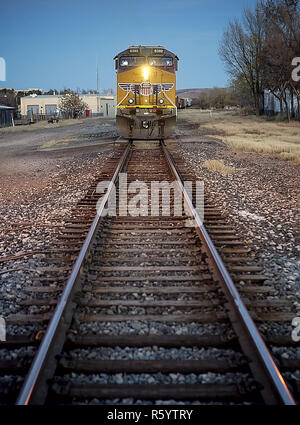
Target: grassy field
[(249, 133)]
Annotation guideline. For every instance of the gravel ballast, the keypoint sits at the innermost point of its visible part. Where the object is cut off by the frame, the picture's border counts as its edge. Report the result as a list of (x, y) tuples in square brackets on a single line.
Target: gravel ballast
[(35, 205)]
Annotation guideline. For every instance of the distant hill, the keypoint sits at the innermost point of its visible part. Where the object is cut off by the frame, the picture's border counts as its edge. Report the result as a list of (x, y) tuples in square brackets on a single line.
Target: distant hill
[(191, 93)]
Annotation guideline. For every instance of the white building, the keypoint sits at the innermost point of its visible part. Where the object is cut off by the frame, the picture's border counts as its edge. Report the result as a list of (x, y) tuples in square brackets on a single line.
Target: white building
[(48, 105)]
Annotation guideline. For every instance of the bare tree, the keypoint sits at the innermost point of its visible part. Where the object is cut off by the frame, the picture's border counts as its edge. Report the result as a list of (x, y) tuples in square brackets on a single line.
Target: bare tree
[(277, 69), (282, 44), (51, 92), (216, 98), (241, 91), (8, 97), (71, 105), (240, 50)]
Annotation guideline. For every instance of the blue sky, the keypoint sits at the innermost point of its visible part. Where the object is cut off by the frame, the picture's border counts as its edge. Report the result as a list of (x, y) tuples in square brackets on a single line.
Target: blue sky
[(55, 43)]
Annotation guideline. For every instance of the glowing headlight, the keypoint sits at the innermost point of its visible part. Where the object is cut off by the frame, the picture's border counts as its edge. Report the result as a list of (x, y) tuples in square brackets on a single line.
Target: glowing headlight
[(161, 101), (131, 101), (146, 73)]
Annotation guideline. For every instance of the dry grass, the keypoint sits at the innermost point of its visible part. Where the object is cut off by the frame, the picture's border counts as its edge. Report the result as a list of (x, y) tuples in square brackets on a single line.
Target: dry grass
[(250, 133), (44, 124), (286, 156), (219, 167), (52, 143)]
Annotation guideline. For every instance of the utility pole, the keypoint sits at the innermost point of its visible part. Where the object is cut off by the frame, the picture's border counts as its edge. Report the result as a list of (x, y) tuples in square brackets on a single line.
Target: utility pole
[(97, 76)]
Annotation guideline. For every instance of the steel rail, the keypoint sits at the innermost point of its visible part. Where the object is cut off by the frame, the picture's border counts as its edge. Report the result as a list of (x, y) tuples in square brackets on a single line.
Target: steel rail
[(275, 389), (35, 387)]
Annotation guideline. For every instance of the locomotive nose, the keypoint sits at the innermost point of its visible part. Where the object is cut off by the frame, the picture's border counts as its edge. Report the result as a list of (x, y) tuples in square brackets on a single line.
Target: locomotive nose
[(146, 84)]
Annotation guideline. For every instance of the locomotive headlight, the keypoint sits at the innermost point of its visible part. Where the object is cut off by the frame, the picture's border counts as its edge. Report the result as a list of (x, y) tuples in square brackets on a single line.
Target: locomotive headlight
[(161, 101), (146, 73), (131, 101)]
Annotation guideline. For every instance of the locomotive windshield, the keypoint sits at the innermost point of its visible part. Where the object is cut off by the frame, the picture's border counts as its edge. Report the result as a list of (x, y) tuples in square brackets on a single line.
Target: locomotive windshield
[(126, 61), (159, 61), (131, 60)]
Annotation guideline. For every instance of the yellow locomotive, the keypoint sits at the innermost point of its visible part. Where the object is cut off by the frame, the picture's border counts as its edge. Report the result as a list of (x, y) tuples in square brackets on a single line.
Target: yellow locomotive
[(146, 92)]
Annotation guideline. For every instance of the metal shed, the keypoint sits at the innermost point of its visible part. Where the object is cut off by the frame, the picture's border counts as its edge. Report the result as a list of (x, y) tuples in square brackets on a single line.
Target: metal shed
[(6, 115)]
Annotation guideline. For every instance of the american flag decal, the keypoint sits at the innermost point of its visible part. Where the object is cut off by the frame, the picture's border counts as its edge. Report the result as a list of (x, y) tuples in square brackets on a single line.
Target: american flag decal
[(146, 89)]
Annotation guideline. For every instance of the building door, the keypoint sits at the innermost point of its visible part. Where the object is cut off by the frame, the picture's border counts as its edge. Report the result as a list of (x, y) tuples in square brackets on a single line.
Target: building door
[(106, 109), (50, 110), (32, 110)]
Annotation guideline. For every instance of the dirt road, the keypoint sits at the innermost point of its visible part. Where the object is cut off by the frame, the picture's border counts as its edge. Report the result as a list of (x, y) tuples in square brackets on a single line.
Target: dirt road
[(34, 152)]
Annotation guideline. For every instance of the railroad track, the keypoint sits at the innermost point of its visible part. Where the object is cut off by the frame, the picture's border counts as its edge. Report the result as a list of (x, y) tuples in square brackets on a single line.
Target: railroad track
[(149, 311)]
